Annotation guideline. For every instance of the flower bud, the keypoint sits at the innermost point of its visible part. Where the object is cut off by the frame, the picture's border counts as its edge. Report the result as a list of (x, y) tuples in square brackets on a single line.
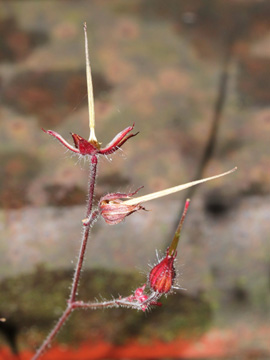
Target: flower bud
[(161, 277), (143, 299), (114, 210)]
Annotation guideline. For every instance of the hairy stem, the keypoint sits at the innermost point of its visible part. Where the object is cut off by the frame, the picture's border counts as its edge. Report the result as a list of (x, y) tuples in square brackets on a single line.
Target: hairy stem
[(173, 246), (79, 265), (53, 333), (93, 172), (70, 305), (107, 304)]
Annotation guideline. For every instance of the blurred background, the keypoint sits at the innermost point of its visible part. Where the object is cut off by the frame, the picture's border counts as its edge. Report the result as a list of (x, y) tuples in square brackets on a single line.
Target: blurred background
[(194, 78)]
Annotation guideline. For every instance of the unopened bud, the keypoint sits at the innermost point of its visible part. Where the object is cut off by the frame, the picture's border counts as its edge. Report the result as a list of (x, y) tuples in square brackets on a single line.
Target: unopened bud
[(142, 298)]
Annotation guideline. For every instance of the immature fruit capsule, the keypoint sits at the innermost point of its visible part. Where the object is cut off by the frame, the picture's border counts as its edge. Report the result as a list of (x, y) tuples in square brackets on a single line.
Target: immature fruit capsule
[(161, 277), (114, 210)]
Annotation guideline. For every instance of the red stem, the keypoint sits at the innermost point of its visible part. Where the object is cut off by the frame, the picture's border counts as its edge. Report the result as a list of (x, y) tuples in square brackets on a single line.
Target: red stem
[(93, 173), (78, 268), (79, 265), (75, 282), (174, 243), (53, 333)]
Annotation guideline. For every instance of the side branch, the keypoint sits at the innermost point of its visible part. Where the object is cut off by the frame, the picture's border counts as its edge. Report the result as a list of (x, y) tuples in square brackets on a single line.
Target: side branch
[(120, 302)]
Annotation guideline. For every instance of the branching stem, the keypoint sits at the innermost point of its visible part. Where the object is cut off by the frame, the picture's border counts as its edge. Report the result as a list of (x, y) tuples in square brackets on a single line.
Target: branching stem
[(108, 304), (53, 333), (71, 304)]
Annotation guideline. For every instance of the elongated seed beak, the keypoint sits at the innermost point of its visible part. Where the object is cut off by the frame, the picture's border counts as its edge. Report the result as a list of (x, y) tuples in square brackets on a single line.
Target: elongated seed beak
[(174, 243), (158, 194), (90, 94)]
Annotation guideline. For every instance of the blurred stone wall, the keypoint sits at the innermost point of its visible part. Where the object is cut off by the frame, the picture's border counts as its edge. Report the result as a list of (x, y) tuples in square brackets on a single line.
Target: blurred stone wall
[(194, 78)]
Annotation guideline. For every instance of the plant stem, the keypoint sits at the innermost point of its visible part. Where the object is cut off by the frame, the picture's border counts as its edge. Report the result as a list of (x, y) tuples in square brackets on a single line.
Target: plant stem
[(173, 246), (107, 304), (93, 172), (70, 304), (53, 333), (78, 268)]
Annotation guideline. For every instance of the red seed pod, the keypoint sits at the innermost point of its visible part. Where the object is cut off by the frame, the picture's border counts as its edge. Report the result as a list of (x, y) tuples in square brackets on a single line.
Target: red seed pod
[(114, 210), (161, 277)]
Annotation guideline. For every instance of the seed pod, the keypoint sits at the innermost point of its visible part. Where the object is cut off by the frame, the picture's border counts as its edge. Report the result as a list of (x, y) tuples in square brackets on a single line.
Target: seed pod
[(161, 277), (114, 210)]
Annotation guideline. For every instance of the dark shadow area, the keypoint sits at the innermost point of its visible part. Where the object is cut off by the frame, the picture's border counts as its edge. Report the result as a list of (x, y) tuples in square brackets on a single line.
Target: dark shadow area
[(218, 204), (239, 294), (10, 332)]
